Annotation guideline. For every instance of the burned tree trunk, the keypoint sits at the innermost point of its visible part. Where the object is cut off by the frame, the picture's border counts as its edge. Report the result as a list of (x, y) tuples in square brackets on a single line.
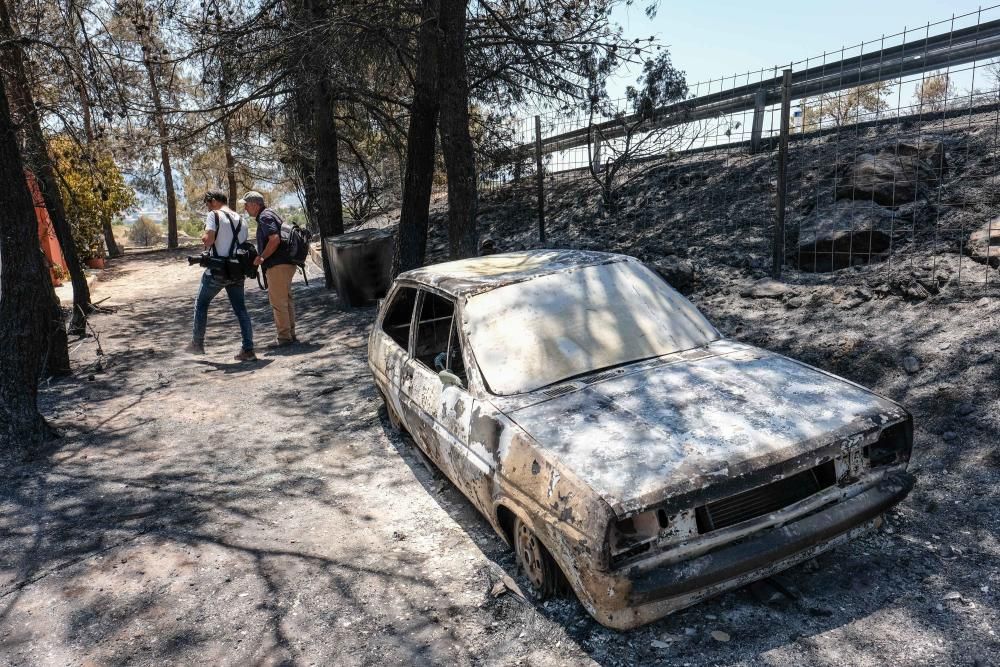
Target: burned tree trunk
[(329, 209), (456, 142), (163, 136), (41, 164), (411, 239), (302, 141), (25, 312), (227, 139)]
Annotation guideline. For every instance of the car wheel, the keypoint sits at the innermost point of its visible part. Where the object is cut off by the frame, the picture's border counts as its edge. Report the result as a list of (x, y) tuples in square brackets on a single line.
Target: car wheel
[(535, 560), (393, 419)]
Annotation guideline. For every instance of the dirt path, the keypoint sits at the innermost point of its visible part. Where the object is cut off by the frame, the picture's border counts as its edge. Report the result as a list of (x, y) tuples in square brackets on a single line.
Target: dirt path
[(200, 511)]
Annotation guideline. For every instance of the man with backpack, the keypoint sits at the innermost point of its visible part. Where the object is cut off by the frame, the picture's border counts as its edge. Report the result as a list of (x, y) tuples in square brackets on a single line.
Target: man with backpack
[(278, 264), (224, 232)]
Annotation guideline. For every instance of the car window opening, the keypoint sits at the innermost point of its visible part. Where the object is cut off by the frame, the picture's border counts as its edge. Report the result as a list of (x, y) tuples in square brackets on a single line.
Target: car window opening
[(438, 346), (396, 323)]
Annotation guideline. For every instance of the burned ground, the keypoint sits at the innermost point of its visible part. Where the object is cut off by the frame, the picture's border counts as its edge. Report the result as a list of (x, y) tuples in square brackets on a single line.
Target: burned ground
[(201, 511), (197, 510)]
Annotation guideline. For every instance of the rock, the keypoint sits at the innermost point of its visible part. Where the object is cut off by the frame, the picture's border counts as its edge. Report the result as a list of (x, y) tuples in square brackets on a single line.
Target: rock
[(504, 585), (767, 288), (720, 636), (949, 436), (983, 245), (965, 409), (984, 358), (795, 302), (843, 235), (911, 364), (678, 272), (893, 176)]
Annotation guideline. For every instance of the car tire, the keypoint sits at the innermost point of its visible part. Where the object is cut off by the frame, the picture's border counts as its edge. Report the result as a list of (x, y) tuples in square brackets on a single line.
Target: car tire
[(536, 562), (394, 421)]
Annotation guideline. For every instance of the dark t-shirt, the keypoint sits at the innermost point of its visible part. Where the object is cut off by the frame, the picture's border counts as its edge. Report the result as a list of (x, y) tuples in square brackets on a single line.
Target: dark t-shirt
[(269, 223)]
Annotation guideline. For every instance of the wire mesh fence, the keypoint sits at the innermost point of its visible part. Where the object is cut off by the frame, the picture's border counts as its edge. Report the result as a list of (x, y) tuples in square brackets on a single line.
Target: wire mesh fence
[(890, 170)]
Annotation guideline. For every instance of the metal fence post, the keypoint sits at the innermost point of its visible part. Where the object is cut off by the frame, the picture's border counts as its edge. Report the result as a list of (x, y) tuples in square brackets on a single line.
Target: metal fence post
[(541, 179), (757, 129), (779, 221)]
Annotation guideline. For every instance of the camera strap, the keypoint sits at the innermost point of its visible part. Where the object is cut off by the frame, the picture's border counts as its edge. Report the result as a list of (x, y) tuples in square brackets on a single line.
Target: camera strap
[(236, 234)]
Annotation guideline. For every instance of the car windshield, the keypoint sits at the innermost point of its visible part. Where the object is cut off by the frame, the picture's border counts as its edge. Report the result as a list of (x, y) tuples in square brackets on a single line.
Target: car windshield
[(538, 332)]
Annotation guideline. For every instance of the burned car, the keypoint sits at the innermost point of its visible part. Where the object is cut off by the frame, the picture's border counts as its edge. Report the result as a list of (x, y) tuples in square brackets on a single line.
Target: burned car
[(617, 441)]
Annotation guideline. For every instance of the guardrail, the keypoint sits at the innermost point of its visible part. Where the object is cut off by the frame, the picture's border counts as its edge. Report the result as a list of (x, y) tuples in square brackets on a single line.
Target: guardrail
[(918, 56)]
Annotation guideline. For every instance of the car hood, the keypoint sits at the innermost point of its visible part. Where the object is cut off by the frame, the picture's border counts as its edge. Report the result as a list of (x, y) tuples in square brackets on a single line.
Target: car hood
[(683, 422)]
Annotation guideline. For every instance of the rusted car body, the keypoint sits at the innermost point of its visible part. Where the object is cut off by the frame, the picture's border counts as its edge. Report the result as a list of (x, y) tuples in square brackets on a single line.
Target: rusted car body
[(616, 439)]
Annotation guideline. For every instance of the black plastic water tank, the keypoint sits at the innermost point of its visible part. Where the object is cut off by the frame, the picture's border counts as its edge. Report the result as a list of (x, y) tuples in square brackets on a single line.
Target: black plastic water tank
[(362, 265)]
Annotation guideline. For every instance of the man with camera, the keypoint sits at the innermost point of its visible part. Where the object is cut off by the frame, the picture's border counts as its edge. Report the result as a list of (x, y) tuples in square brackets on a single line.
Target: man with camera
[(224, 232), (277, 264)]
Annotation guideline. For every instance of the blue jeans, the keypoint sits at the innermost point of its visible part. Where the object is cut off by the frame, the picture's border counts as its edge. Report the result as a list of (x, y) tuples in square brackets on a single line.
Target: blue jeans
[(210, 287)]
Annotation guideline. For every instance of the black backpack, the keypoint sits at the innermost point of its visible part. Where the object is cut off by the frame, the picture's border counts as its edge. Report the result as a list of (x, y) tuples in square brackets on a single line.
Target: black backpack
[(240, 263), (297, 241)]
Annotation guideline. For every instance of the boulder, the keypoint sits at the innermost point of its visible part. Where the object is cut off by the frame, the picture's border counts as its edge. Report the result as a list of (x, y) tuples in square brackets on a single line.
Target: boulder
[(842, 235), (984, 244), (678, 272), (767, 288), (893, 176)]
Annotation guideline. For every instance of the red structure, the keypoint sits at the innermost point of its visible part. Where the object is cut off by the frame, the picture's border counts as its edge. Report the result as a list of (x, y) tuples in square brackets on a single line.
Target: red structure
[(46, 234)]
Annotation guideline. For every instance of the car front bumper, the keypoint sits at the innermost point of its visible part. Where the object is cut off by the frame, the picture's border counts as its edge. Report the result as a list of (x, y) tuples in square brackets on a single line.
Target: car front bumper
[(627, 600)]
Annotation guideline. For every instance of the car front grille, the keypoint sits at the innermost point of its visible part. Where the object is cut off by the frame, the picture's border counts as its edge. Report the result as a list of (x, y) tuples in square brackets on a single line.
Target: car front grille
[(765, 499)]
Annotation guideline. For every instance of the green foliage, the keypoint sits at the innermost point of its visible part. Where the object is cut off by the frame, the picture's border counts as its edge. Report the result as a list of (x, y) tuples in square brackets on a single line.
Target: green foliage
[(93, 191), (144, 232), (846, 106), (193, 226), (661, 83)]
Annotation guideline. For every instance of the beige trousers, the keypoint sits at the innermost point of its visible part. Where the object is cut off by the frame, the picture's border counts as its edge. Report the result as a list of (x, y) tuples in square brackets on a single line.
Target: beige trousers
[(279, 293)]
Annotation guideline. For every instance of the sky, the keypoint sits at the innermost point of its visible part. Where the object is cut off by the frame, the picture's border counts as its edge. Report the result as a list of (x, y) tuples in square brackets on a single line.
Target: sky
[(711, 38)]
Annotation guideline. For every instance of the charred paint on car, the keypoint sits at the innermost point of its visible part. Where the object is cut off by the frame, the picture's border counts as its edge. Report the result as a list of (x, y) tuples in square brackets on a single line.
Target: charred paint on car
[(652, 482)]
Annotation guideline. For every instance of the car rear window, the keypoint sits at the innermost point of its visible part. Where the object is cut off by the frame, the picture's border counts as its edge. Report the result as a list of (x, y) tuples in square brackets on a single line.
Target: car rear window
[(538, 332)]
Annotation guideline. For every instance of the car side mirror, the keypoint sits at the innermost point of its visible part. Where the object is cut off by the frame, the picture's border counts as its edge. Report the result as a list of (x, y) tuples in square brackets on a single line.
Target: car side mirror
[(449, 379)]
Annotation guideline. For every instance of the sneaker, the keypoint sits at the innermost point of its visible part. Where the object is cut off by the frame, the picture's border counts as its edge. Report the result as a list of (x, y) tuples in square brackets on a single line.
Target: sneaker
[(246, 355), (195, 348)]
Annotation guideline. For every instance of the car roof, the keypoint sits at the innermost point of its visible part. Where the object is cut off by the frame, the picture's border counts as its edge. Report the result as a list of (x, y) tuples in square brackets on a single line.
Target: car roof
[(465, 277)]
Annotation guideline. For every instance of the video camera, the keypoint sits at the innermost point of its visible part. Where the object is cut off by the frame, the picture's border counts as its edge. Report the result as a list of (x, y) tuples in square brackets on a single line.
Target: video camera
[(239, 265), (208, 260)]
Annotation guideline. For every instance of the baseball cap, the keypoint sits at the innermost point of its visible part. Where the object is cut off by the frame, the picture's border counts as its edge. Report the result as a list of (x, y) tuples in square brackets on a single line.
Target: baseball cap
[(252, 196)]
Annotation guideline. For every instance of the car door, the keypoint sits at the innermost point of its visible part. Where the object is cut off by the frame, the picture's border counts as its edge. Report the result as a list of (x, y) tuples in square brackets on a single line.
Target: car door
[(443, 405), (390, 347)]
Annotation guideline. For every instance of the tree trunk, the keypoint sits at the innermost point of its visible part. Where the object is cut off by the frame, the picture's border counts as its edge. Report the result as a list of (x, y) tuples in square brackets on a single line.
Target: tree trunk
[(41, 163), (88, 126), (411, 239), (57, 358), (456, 142), (163, 136), (25, 313), (330, 210), (227, 137)]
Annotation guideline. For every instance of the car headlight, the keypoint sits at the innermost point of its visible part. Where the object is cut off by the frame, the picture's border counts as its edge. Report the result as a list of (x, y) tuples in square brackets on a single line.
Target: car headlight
[(646, 530), (893, 445)]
